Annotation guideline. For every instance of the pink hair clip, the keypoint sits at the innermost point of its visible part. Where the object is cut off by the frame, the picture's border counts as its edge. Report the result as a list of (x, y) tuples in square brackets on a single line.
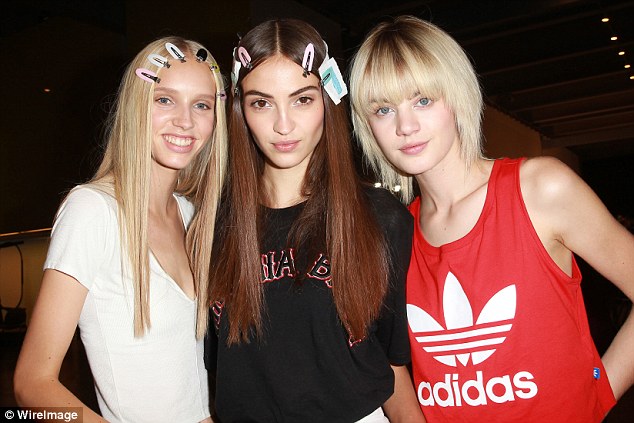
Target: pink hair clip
[(244, 57), (147, 75), (309, 56)]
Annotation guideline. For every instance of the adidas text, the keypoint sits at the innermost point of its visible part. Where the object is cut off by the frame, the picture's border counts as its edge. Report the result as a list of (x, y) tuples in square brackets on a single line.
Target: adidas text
[(474, 392)]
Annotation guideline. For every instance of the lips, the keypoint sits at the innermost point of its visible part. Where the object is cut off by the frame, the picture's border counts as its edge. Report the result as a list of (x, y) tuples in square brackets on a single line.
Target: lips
[(412, 149), (178, 141), (285, 146)]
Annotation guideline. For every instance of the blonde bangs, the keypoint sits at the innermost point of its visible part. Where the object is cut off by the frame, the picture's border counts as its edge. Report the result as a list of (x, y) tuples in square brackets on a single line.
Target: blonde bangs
[(396, 72)]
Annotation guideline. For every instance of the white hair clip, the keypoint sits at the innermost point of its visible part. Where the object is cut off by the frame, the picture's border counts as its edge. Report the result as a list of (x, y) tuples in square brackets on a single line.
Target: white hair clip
[(309, 57), (175, 52), (331, 78), (158, 60)]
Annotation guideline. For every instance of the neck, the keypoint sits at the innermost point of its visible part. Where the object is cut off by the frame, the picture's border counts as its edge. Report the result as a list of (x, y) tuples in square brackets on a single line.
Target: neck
[(162, 186), (283, 187), (451, 181)]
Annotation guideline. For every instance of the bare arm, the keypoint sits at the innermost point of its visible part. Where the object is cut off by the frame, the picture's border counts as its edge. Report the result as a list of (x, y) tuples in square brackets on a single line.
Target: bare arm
[(569, 217), (51, 329), (403, 405)]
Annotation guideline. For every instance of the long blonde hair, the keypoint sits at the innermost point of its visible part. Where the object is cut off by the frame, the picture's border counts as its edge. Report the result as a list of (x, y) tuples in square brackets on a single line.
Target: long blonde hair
[(407, 56), (125, 172)]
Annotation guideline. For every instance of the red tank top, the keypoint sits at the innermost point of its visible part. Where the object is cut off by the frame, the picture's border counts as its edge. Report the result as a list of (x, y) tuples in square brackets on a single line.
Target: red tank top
[(498, 331)]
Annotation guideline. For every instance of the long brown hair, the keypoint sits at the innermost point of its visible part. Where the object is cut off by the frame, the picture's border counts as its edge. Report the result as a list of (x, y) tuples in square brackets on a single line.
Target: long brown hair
[(336, 213)]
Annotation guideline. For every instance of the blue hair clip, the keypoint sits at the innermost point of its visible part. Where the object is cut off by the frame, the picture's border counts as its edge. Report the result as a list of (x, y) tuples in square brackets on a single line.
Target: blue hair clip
[(331, 78)]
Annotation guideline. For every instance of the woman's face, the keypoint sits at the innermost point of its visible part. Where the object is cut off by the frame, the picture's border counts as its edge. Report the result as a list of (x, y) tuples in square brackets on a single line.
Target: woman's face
[(285, 113), (416, 135), (182, 113)]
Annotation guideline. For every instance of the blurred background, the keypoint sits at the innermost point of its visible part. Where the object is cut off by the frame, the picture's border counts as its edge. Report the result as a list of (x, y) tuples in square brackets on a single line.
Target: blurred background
[(555, 73)]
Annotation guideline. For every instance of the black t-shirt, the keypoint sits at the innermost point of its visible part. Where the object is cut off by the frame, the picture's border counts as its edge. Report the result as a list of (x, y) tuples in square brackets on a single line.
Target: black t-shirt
[(306, 368)]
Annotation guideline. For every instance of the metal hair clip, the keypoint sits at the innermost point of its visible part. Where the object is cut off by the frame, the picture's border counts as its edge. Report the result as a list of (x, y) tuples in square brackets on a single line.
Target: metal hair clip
[(147, 75), (158, 60), (222, 95), (309, 57), (235, 72), (201, 55), (244, 57), (175, 52)]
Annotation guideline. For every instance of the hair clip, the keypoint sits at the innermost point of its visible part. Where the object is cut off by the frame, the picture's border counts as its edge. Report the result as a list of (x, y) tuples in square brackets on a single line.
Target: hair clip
[(222, 95), (244, 57), (175, 52), (147, 75), (309, 56), (201, 55), (331, 78), (235, 72), (158, 60)]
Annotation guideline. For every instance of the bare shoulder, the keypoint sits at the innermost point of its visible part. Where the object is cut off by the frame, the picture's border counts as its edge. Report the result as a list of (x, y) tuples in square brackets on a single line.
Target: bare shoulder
[(547, 178), (549, 186)]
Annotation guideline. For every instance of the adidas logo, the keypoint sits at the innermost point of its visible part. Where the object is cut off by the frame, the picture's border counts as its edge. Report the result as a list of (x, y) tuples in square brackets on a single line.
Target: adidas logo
[(462, 340)]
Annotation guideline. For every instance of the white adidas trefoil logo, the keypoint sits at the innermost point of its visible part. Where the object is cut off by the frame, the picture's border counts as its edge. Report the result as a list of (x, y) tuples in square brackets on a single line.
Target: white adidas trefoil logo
[(472, 342)]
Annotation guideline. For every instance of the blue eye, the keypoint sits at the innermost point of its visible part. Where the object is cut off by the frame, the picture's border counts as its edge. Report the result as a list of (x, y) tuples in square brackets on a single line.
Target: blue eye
[(382, 111), (202, 106), (163, 100), (424, 101)]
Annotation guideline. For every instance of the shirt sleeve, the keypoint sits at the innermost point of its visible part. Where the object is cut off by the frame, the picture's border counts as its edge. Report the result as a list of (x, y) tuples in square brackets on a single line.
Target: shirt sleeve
[(397, 225), (82, 236)]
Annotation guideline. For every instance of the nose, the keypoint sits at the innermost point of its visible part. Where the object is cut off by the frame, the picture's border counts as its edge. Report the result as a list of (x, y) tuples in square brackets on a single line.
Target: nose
[(183, 118), (406, 123), (284, 123)]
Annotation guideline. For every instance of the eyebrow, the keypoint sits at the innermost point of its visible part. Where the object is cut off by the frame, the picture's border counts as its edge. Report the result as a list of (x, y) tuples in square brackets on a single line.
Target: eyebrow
[(171, 91), (294, 93)]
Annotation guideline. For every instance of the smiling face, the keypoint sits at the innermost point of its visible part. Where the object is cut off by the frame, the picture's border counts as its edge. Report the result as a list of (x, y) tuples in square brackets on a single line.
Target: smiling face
[(182, 113), (285, 113), (416, 135)]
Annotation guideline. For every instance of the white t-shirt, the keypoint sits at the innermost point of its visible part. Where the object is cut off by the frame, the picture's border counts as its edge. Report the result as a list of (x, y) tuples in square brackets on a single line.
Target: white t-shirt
[(159, 377)]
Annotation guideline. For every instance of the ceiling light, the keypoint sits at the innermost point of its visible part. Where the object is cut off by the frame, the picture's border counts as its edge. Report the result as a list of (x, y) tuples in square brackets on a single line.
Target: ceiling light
[(627, 66), (614, 38), (606, 19), (621, 53)]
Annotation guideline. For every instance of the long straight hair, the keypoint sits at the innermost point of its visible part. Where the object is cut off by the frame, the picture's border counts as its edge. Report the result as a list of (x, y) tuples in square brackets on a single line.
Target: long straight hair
[(336, 213), (125, 173)]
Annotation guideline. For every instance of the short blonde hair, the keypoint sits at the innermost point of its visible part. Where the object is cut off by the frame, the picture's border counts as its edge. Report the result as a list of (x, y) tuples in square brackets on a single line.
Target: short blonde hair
[(404, 57)]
